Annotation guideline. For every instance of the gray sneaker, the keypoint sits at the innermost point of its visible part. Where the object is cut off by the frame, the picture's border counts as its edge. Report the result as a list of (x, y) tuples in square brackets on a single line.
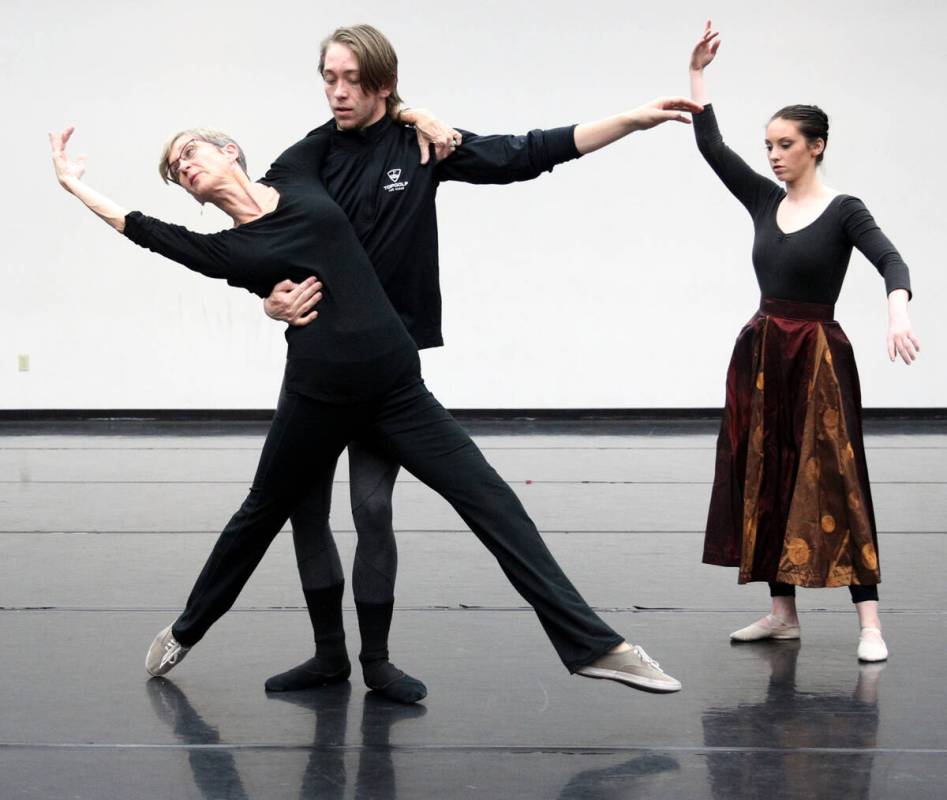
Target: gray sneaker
[(634, 667), (164, 654)]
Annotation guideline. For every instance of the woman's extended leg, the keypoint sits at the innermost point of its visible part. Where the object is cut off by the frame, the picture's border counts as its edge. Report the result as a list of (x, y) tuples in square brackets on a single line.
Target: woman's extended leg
[(430, 443), (304, 439)]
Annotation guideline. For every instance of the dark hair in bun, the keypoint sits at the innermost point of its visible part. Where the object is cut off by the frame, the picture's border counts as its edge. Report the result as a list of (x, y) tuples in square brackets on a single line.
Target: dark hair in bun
[(812, 121)]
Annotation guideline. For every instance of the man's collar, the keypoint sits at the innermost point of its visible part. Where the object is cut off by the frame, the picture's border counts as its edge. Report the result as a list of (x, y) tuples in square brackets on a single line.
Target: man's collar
[(368, 135)]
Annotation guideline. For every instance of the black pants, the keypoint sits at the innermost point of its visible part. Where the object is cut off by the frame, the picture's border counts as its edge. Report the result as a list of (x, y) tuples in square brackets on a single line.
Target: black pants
[(859, 593), (372, 476), (305, 439)]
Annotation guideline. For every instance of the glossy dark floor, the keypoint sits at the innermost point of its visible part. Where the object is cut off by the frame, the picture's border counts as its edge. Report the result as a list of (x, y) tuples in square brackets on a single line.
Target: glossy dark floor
[(103, 527)]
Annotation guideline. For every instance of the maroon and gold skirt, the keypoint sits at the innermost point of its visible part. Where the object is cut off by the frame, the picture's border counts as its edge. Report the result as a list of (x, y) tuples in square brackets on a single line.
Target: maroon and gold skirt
[(791, 501)]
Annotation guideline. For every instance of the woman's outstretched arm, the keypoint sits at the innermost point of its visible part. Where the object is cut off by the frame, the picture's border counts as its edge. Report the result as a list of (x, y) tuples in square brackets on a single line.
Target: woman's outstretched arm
[(69, 172), (208, 254), (863, 232)]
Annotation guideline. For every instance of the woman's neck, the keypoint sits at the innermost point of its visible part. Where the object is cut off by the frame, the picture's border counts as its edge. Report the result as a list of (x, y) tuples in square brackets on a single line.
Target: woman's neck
[(244, 200), (806, 187)]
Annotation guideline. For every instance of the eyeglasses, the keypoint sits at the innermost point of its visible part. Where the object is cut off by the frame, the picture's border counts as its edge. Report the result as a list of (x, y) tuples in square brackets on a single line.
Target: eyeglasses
[(187, 153)]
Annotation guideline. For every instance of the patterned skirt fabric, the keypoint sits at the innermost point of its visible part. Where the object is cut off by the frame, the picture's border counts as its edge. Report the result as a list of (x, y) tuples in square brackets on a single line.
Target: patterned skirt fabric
[(791, 501)]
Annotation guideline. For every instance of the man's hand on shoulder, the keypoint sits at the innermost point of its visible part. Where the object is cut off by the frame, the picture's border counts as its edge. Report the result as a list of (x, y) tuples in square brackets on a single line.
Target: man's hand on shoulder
[(294, 303)]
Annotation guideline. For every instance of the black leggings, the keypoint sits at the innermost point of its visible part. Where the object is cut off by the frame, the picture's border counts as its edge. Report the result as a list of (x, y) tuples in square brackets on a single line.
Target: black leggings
[(859, 593), (372, 475), (305, 439)]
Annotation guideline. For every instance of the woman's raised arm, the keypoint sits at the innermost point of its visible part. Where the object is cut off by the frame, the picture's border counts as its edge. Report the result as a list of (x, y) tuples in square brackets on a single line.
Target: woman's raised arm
[(69, 173), (703, 53), (749, 187)]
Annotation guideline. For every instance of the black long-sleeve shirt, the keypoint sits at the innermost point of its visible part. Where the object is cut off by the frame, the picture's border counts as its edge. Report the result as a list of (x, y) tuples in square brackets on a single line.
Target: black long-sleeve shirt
[(359, 348), (807, 265), (374, 174)]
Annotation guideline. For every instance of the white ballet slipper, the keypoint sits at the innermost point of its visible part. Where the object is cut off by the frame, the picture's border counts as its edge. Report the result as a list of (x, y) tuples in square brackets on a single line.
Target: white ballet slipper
[(871, 647), (770, 627)]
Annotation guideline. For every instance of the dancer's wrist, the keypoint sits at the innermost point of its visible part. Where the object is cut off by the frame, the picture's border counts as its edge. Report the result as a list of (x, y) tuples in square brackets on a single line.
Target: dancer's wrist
[(898, 304)]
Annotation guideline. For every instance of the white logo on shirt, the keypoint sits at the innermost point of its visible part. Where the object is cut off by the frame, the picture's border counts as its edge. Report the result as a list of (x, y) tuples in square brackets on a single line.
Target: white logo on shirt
[(396, 185)]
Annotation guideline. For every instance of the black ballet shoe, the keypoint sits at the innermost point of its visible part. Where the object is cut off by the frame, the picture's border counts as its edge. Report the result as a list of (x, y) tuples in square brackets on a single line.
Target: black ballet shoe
[(385, 679), (317, 671)]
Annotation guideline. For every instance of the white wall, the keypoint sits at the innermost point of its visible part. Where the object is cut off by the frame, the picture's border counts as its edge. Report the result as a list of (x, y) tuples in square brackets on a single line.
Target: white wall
[(619, 281)]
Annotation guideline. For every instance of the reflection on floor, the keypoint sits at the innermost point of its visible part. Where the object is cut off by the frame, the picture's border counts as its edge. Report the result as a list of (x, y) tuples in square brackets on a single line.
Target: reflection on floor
[(103, 527)]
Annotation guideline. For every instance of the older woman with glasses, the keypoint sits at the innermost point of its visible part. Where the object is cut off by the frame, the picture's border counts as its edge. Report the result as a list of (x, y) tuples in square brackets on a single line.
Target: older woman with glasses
[(355, 372)]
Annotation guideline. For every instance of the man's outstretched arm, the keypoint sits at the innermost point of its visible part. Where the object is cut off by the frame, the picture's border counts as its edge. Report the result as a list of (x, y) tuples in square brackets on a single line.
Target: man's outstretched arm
[(592, 136), (508, 159)]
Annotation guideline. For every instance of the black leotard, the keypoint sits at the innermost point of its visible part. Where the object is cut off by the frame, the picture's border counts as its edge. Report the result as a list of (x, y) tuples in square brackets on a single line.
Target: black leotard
[(807, 265)]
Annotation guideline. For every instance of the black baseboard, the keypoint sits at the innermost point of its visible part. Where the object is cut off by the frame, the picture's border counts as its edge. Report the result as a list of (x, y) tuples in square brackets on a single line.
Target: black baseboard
[(467, 414)]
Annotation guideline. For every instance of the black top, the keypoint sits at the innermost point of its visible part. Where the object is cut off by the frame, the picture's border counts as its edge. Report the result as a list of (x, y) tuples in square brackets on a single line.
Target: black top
[(374, 174), (807, 265), (358, 349)]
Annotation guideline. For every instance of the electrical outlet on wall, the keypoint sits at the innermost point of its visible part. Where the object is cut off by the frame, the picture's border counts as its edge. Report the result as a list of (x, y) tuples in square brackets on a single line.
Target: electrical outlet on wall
[(23, 360)]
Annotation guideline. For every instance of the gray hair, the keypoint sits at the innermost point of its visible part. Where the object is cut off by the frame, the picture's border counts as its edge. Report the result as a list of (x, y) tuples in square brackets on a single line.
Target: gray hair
[(209, 135)]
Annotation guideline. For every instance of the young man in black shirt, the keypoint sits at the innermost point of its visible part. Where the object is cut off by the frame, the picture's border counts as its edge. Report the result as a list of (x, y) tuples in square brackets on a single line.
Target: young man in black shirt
[(373, 172)]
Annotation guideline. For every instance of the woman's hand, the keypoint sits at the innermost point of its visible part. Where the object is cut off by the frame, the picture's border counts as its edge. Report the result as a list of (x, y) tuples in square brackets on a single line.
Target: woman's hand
[(901, 339), (67, 170), (70, 172), (705, 49), (430, 130)]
